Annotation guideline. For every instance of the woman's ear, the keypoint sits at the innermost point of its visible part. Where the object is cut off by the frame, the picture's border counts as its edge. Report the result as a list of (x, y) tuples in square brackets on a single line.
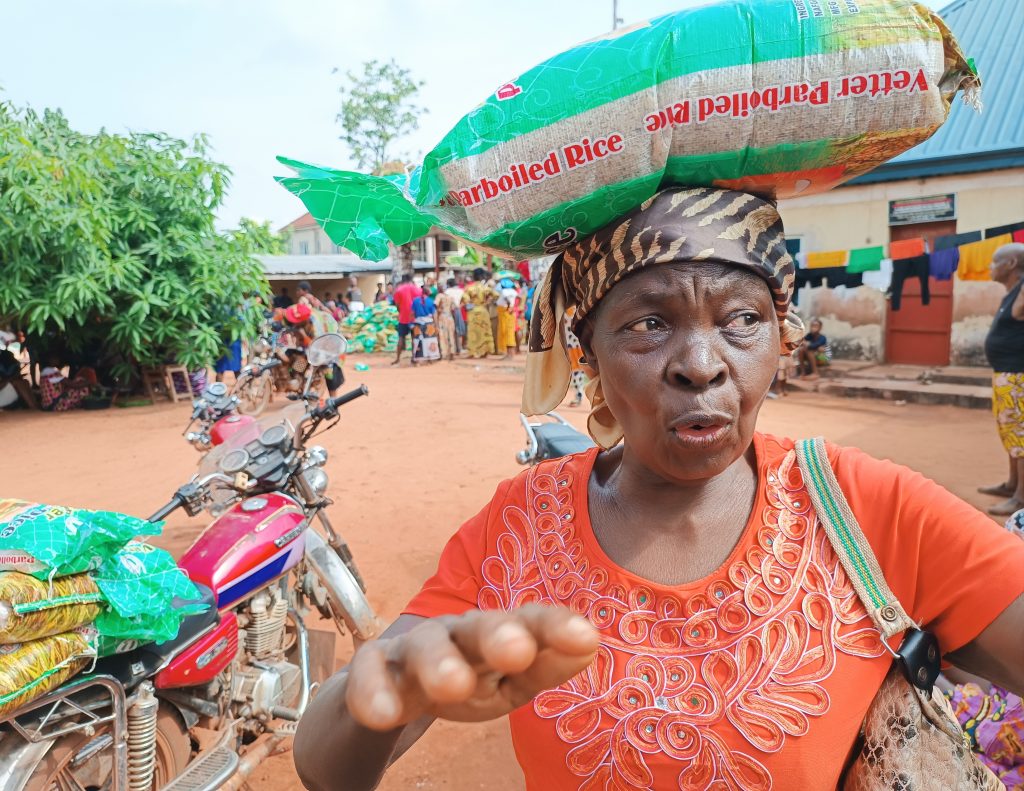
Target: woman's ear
[(586, 336)]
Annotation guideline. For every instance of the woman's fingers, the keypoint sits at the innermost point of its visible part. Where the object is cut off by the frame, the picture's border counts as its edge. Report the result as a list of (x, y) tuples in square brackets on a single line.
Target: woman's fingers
[(431, 662), (468, 659), (372, 695)]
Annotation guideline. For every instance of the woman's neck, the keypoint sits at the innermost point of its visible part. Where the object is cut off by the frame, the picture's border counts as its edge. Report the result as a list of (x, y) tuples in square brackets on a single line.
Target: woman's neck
[(665, 531)]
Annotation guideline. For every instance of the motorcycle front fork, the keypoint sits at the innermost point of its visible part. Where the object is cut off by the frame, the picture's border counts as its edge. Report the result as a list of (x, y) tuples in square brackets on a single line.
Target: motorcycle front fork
[(335, 541)]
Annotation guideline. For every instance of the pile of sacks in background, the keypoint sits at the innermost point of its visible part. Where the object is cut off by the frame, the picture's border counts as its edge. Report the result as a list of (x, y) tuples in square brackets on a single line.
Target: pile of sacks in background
[(373, 329), (76, 586)]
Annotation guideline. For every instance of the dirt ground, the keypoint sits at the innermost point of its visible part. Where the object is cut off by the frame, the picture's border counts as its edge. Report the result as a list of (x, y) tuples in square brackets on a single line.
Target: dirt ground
[(424, 452)]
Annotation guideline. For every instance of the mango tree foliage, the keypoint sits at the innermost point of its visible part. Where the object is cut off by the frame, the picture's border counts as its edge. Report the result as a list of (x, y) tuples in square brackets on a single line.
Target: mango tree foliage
[(108, 246)]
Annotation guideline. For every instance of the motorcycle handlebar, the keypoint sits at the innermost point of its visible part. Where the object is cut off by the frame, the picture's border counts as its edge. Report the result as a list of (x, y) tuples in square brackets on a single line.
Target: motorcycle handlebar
[(331, 404), (175, 503)]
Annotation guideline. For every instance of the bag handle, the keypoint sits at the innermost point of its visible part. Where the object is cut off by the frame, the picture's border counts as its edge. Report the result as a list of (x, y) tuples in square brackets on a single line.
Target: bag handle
[(843, 530)]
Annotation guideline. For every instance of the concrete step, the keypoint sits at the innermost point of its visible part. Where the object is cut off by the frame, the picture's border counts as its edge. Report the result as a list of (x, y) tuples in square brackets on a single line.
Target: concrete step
[(950, 374), (971, 396)]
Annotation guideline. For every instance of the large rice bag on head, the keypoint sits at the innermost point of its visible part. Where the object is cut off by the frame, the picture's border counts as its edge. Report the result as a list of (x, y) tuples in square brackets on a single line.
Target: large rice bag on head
[(28, 670), (779, 97), (54, 540), (31, 608), (147, 595)]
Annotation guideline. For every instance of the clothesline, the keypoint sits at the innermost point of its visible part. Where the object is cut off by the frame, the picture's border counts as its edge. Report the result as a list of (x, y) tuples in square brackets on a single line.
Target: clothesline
[(965, 254)]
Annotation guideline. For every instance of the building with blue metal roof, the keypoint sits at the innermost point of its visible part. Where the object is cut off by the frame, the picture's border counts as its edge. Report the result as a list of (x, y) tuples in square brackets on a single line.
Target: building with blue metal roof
[(969, 176)]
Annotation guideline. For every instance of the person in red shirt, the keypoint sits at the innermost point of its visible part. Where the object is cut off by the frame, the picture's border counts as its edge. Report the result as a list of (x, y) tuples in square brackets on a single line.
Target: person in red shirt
[(403, 298), (667, 610)]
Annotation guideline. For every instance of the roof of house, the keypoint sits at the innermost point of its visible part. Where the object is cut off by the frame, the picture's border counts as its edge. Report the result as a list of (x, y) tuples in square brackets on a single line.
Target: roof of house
[(305, 221), (321, 267), (990, 32)]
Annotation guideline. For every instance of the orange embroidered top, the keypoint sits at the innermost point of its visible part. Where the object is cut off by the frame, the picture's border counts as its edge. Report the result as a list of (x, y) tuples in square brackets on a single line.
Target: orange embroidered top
[(756, 677)]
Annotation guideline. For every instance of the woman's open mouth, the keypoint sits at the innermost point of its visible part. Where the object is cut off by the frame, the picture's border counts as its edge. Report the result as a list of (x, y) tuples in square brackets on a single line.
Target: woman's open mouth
[(701, 431)]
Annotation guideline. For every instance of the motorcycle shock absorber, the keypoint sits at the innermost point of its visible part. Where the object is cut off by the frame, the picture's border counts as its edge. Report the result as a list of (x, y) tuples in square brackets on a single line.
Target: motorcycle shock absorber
[(142, 715)]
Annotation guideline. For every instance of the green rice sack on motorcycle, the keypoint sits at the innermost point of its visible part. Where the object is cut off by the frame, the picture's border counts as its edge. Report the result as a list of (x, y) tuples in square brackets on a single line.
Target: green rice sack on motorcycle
[(54, 540), (778, 97), (147, 595), (31, 609)]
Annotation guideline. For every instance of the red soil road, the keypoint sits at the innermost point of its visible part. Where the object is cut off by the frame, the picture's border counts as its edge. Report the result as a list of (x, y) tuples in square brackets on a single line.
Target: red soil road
[(408, 464)]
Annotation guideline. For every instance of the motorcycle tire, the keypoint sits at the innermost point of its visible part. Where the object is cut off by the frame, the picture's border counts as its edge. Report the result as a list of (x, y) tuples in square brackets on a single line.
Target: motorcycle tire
[(54, 770), (254, 395)]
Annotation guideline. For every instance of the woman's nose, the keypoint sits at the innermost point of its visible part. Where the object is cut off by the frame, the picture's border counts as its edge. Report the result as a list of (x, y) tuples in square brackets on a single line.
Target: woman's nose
[(697, 364)]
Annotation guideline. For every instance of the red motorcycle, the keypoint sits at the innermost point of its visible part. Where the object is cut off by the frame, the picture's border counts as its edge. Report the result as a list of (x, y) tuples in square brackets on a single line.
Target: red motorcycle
[(200, 712)]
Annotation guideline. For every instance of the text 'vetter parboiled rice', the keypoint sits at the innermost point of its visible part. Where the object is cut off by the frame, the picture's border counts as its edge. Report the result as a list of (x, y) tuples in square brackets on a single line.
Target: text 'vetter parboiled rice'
[(780, 97)]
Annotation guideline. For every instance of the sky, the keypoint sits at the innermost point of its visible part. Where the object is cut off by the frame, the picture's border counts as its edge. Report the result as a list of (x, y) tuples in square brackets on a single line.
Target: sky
[(256, 75)]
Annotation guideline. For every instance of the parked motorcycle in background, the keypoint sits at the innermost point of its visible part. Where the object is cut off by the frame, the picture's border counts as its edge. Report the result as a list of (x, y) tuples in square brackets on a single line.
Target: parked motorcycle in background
[(549, 437), (254, 387), (201, 711)]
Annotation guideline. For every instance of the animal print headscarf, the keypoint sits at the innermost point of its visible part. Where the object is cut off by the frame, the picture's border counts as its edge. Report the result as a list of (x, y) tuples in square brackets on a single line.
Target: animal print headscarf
[(676, 225)]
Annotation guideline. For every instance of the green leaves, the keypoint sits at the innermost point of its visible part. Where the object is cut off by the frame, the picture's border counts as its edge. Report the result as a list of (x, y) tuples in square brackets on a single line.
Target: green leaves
[(110, 241), (376, 110)]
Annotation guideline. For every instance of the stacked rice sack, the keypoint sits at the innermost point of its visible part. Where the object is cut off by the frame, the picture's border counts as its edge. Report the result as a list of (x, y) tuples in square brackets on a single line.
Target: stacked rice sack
[(375, 328), (76, 585), (777, 97)]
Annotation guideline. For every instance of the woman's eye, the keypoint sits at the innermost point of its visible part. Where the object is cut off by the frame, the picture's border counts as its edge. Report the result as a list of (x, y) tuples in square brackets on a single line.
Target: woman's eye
[(646, 325), (748, 319)]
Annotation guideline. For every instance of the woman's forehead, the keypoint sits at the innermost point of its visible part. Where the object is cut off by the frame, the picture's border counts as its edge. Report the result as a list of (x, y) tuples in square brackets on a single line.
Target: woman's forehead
[(709, 276)]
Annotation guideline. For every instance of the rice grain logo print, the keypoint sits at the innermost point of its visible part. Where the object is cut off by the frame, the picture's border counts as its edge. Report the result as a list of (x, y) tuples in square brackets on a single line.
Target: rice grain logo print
[(133, 564), (558, 241), (507, 91)]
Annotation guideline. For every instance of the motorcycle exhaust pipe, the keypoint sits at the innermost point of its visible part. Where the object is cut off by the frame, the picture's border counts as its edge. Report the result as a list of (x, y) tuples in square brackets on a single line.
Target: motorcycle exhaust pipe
[(252, 759)]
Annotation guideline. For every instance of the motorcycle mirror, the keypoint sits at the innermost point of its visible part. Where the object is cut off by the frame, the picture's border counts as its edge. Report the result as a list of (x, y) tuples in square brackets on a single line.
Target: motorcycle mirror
[(326, 349)]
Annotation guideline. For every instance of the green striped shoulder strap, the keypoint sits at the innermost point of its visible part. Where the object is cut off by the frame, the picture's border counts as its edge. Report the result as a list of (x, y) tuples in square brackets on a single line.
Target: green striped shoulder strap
[(848, 540)]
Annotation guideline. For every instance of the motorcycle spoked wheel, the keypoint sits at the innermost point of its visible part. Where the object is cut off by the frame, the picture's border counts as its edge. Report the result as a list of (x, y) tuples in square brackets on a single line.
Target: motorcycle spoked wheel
[(55, 770), (254, 395)]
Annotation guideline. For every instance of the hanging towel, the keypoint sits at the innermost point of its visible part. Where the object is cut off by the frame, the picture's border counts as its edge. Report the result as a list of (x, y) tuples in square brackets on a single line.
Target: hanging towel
[(882, 279), (906, 248), (957, 239), (801, 260), (1004, 229), (975, 257), (793, 246), (1018, 237), (865, 259), (943, 263), (829, 260)]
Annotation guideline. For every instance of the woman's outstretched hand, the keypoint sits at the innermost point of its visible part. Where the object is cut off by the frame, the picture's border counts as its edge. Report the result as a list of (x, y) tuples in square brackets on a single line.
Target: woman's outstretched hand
[(471, 667)]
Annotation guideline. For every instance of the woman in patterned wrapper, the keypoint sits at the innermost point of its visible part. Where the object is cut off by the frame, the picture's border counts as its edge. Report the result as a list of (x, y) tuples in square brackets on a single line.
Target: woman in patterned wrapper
[(665, 611)]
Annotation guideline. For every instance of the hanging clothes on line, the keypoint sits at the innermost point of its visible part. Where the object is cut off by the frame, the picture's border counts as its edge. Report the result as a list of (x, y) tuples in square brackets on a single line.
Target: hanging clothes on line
[(943, 263), (882, 279), (1018, 237), (976, 257), (957, 239), (906, 248), (833, 277), (903, 270), (1001, 230), (865, 259), (793, 246), (830, 260)]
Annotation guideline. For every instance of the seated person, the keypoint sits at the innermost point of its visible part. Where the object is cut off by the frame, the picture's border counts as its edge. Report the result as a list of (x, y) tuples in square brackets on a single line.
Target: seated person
[(10, 375), (59, 393), (814, 351)]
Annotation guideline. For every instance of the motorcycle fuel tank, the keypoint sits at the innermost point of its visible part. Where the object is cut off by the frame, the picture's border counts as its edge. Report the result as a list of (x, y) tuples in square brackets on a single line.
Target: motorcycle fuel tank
[(251, 544), (227, 426)]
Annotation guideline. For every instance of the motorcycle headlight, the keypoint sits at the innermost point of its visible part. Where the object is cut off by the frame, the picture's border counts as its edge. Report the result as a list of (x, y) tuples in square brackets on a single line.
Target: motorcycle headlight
[(317, 480), (316, 456)]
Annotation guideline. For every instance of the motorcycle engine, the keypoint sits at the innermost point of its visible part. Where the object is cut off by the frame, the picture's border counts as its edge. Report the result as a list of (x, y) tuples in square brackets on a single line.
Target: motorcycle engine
[(266, 679)]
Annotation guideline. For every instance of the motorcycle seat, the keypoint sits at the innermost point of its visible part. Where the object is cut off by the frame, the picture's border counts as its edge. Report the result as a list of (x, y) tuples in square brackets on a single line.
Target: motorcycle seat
[(554, 440), (140, 663)]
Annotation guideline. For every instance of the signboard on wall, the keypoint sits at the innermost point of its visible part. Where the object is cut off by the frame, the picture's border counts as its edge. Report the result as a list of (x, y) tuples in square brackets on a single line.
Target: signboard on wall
[(934, 208)]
